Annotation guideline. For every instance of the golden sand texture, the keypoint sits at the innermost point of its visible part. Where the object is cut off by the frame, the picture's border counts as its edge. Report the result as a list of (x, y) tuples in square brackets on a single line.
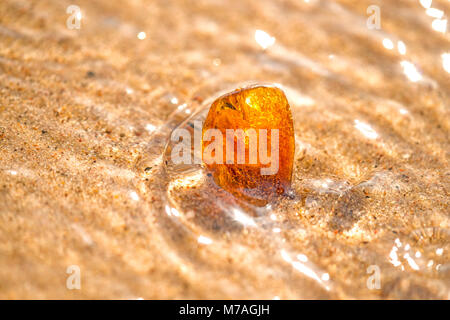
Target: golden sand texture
[(81, 118)]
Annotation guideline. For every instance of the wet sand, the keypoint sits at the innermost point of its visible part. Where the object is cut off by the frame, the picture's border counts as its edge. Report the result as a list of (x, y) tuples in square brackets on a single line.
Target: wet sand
[(85, 115)]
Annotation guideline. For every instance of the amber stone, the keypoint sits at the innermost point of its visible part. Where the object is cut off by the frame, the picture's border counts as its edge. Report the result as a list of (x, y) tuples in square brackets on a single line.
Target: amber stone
[(256, 107)]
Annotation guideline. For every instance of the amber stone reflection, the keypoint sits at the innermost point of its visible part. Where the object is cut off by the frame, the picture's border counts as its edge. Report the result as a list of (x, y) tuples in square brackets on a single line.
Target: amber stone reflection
[(256, 107)]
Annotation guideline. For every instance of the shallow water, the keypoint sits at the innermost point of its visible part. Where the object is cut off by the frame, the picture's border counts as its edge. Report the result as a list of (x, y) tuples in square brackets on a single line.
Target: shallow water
[(86, 117)]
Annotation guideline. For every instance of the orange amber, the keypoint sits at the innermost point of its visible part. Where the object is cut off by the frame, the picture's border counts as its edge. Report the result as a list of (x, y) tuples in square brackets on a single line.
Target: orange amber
[(253, 163)]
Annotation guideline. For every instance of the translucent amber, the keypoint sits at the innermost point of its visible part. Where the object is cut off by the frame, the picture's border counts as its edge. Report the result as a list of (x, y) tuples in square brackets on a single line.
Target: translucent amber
[(256, 107)]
